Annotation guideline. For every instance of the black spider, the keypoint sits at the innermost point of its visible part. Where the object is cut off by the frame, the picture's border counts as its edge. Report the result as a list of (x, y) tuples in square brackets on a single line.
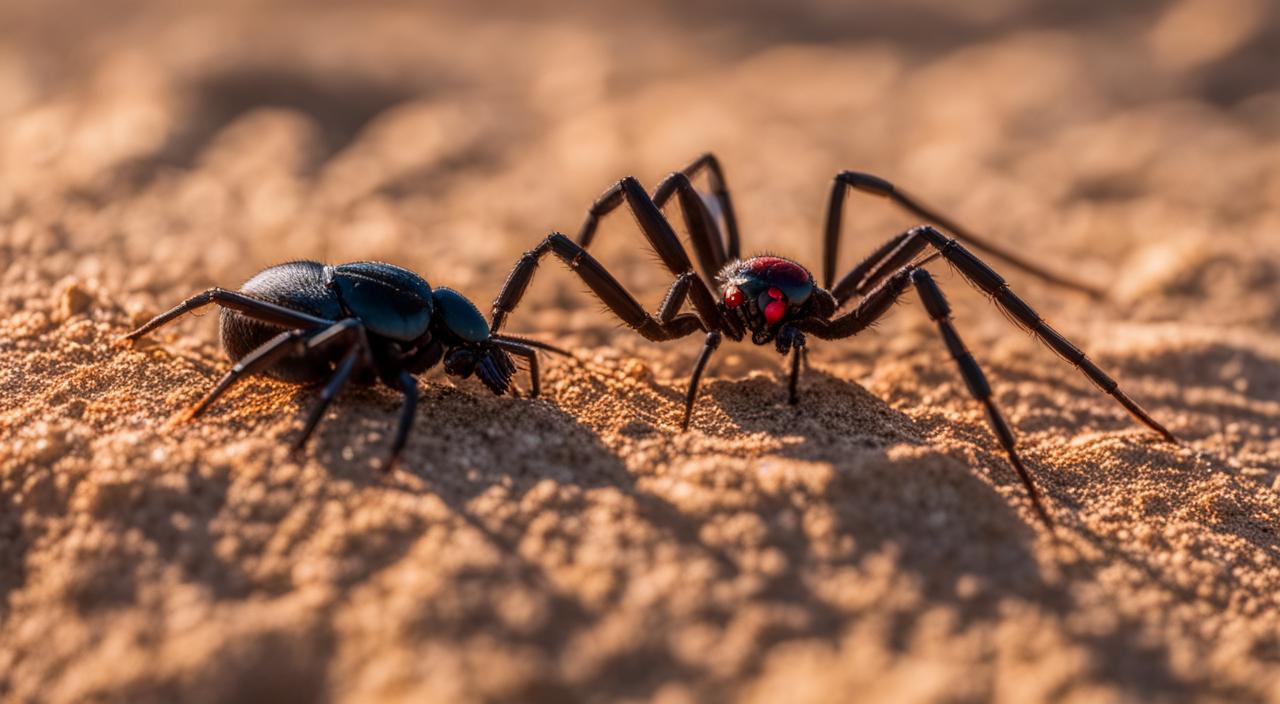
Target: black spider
[(777, 300), (304, 322)]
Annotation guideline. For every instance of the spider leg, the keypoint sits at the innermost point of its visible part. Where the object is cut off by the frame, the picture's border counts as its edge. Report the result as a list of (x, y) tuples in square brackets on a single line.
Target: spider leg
[(719, 189), (991, 283), (530, 342), (531, 357), (666, 325), (940, 312), (691, 394), (653, 224), (878, 303), (869, 272), (712, 249), (985, 278), (409, 386), (704, 234), (793, 384), (874, 185), (250, 306)]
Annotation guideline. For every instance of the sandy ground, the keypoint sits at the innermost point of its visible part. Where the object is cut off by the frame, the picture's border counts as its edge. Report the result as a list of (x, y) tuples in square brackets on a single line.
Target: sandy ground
[(868, 544)]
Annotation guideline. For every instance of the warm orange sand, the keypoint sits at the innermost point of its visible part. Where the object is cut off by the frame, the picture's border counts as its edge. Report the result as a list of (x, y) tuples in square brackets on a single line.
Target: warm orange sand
[(868, 544)]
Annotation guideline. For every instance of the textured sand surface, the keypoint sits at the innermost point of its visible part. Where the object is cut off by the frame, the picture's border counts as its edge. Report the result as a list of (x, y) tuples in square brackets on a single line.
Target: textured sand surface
[(868, 544)]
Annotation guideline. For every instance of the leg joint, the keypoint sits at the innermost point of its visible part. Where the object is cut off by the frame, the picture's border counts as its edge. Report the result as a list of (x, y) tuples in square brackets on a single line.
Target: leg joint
[(866, 183)]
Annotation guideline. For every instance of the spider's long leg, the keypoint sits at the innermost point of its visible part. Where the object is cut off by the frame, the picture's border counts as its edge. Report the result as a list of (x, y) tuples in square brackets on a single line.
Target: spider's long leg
[(991, 283), (666, 325), (877, 304), (704, 233), (712, 248), (874, 185), (409, 386), (985, 278), (940, 312), (793, 384), (719, 189), (869, 272), (260, 358), (531, 357), (653, 224), (691, 394), (339, 379), (250, 306)]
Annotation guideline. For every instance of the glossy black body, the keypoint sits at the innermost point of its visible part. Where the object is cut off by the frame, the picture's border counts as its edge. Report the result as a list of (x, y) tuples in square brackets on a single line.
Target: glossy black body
[(296, 285), (408, 325), (305, 322)]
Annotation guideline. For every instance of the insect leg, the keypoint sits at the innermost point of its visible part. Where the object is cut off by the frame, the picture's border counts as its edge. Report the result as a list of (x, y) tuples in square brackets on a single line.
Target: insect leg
[(250, 306), (409, 386)]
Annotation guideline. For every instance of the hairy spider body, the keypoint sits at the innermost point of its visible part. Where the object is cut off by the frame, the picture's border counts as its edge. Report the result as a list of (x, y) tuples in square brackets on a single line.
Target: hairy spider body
[(760, 293), (304, 322), (776, 300)]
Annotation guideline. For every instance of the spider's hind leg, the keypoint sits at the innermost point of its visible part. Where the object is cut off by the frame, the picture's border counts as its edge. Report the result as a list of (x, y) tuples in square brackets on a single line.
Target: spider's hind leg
[(879, 301), (907, 246), (846, 181), (940, 312)]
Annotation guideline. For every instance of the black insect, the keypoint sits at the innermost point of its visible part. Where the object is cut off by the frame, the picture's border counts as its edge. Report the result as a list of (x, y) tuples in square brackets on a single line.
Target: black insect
[(777, 300), (304, 322)]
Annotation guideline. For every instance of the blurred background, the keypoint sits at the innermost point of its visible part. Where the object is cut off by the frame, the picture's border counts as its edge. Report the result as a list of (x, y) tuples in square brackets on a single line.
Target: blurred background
[(1123, 140)]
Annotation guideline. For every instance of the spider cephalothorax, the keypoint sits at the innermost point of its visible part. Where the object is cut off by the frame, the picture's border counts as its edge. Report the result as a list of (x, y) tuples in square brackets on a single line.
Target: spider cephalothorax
[(778, 301), (763, 293), (304, 322)]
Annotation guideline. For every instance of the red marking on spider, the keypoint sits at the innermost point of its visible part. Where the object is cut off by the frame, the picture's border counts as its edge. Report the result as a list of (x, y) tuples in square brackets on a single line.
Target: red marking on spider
[(733, 297), (774, 311), (785, 269)]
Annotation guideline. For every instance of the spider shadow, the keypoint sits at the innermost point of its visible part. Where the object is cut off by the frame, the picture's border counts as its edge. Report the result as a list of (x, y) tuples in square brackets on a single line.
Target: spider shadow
[(879, 501), (1232, 386), (961, 541)]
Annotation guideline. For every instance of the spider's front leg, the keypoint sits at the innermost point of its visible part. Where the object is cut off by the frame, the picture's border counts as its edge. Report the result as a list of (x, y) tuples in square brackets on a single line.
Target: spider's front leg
[(667, 324), (791, 340), (662, 238), (713, 249)]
